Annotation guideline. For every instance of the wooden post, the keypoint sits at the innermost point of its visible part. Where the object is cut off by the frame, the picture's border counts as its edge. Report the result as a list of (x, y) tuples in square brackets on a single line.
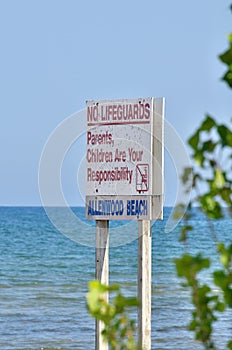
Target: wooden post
[(144, 283), (102, 272)]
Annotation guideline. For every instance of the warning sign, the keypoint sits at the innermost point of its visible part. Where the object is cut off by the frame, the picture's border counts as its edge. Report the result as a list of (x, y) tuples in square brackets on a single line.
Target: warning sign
[(120, 156)]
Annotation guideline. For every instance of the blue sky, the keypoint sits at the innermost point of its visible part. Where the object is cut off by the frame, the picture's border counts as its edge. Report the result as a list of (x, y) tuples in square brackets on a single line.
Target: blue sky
[(55, 55)]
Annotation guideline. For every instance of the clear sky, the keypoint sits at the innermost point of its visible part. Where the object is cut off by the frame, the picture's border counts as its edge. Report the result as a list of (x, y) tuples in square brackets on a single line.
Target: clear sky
[(56, 54)]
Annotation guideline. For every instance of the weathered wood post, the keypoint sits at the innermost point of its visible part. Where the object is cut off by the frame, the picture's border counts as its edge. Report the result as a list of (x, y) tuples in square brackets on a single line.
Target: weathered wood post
[(144, 283), (102, 272)]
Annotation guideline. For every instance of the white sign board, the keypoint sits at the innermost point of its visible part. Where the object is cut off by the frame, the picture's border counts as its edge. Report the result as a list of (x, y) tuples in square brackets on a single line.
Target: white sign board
[(124, 159)]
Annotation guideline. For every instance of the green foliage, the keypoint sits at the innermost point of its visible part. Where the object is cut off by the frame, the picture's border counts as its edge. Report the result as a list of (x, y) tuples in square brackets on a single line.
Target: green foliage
[(211, 146), (119, 329), (226, 58), (205, 303), (223, 278)]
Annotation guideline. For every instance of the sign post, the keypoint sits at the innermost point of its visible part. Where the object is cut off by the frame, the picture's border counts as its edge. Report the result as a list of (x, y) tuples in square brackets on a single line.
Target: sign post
[(125, 182), (144, 283), (102, 271)]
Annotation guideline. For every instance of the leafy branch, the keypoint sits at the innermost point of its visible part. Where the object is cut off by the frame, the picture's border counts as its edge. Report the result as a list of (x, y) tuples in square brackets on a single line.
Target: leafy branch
[(211, 146), (119, 329)]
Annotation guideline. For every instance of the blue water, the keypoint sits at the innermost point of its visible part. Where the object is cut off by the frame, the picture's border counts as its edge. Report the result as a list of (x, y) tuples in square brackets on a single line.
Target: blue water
[(44, 276)]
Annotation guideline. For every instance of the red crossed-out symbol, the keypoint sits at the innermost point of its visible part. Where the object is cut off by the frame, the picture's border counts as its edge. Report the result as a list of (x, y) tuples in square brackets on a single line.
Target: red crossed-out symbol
[(142, 177)]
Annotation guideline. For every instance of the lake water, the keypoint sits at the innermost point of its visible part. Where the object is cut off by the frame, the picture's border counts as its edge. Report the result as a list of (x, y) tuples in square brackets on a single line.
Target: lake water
[(44, 277)]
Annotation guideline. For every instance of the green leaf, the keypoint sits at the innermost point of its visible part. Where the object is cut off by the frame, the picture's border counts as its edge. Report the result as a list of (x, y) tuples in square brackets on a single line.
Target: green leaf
[(219, 179), (208, 146), (225, 135), (199, 158), (193, 325), (220, 278), (227, 77), (194, 141), (225, 254), (220, 307), (208, 123), (210, 206), (226, 194), (188, 266), (226, 57), (131, 302)]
